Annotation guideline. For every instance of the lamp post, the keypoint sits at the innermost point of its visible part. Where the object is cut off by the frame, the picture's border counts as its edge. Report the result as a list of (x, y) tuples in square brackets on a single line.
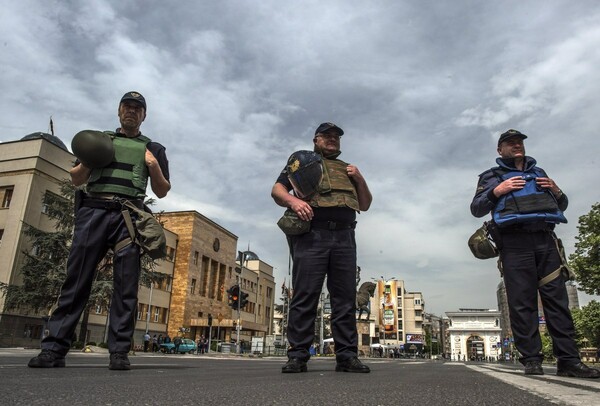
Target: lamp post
[(149, 305)]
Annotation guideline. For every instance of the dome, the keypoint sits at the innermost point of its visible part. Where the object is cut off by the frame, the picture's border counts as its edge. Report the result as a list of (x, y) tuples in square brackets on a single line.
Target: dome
[(250, 256), (48, 137)]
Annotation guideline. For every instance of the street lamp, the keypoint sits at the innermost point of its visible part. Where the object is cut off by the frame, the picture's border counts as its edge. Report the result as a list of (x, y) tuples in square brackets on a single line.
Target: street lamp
[(149, 305)]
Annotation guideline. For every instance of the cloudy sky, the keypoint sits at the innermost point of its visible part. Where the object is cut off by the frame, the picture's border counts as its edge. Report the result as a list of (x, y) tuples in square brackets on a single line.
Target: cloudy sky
[(422, 89)]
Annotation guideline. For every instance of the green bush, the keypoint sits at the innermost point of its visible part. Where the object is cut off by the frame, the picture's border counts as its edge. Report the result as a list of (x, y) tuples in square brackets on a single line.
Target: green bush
[(77, 345), (91, 343), (103, 345)]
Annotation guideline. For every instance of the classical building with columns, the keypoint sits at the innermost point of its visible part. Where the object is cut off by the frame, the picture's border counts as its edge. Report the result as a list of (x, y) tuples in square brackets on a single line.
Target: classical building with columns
[(475, 334)]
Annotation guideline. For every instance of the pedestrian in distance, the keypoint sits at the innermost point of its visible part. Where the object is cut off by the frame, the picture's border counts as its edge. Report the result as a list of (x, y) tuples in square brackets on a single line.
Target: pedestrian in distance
[(323, 206), (112, 179), (177, 342), (526, 205), (146, 341)]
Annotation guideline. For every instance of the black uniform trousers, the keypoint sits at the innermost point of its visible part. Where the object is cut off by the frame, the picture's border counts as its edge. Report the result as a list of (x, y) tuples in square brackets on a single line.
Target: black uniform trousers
[(96, 230), (526, 258), (317, 254)]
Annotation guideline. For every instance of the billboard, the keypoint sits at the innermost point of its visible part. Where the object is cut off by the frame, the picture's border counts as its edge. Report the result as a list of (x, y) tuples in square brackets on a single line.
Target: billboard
[(415, 338), (388, 307)]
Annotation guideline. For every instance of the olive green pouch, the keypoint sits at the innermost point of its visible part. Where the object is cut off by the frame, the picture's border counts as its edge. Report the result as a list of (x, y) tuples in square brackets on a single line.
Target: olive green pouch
[(291, 224)]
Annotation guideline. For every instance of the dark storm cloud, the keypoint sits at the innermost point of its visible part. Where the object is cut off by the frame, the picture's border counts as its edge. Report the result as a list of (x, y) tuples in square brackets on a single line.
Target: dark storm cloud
[(422, 90)]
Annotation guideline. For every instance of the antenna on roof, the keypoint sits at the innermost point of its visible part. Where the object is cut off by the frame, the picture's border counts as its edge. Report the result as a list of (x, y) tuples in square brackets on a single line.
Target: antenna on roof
[(51, 126)]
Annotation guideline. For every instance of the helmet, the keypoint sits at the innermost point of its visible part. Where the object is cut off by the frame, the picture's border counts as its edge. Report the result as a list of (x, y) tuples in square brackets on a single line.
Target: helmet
[(305, 171), (481, 245), (93, 148)]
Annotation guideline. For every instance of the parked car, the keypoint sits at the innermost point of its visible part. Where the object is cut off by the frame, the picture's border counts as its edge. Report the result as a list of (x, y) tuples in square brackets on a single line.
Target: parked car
[(186, 345)]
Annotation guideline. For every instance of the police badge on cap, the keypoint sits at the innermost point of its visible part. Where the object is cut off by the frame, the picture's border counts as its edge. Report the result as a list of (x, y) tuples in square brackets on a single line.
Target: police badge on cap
[(135, 96)]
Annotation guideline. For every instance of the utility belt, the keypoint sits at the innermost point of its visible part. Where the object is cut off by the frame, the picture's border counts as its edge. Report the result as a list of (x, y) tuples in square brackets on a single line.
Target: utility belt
[(143, 228), (332, 225), (525, 229), (112, 204)]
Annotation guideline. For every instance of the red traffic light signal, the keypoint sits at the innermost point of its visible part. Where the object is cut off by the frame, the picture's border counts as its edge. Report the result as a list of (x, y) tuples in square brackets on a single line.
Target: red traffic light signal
[(234, 296)]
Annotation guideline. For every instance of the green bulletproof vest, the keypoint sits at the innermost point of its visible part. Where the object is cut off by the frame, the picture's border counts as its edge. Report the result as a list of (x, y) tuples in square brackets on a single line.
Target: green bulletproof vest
[(336, 188), (127, 174)]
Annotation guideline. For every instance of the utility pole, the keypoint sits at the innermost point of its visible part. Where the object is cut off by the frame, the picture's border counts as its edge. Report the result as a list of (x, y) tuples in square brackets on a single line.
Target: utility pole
[(149, 305), (321, 325), (238, 279)]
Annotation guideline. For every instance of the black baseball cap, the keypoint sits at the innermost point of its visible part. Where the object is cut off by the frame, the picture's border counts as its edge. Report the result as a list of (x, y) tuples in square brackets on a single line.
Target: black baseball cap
[(328, 126), (135, 96), (509, 134)]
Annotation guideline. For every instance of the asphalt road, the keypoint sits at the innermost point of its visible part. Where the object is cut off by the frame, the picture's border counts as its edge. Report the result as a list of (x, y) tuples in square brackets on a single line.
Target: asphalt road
[(157, 379)]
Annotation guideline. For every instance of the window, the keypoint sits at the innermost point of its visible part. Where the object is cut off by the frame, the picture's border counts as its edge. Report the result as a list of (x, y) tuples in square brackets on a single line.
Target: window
[(8, 193), (196, 255), (418, 302), (156, 314), (1, 234), (193, 287), (170, 253), (140, 310), (98, 309)]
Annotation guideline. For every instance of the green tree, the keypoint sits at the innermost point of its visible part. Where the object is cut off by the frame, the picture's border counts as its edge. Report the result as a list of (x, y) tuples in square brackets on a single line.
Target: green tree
[(547, 348), (585, 261), (587, 324)]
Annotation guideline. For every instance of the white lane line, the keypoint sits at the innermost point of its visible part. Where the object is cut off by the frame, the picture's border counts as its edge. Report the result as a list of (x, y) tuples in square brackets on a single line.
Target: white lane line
[(543, 386)]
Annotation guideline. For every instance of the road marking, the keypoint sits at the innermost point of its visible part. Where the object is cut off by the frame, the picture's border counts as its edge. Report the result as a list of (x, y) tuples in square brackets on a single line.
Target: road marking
[(567, 391)]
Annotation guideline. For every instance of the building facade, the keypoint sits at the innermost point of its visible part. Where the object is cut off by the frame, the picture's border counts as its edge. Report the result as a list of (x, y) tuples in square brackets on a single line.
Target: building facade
[(396, 317), (204, 270), (207, 265), (475, 334)]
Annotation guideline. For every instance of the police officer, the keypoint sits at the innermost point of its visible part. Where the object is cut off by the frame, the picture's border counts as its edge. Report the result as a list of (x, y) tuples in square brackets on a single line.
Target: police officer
[(99, 225), (526, 205), (328, 249)]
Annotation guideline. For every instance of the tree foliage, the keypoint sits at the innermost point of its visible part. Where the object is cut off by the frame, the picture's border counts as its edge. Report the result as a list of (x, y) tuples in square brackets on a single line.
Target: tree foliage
[(587, 324), (585, 261)]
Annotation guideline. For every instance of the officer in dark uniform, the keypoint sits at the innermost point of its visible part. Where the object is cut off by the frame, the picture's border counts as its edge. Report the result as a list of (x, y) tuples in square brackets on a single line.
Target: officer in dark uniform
[(99, 225), (526, 205), (328, 249)]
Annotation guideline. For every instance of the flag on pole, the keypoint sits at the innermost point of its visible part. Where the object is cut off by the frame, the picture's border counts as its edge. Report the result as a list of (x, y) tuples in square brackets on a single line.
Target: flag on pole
[(283, 287), (51, 126)]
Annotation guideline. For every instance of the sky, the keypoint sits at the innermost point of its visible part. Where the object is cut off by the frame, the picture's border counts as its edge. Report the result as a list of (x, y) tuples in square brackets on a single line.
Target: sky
[(422, 90)]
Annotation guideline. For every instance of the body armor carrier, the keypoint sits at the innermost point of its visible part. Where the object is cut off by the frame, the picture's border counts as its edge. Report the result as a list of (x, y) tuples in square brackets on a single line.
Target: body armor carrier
[(127, 174), (529, 205), (336, 188)]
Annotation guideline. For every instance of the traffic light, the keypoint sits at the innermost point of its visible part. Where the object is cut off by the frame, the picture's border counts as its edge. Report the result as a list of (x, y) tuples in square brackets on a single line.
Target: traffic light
[(234, 296), (243, 299), (209, 320)]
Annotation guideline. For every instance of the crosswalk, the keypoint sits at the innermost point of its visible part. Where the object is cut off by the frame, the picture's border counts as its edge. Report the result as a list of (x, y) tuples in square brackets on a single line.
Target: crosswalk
[(554, 389)]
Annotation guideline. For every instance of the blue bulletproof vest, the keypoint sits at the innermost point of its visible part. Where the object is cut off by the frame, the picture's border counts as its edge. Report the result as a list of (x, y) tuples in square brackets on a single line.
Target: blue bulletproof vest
[(531, 204)]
